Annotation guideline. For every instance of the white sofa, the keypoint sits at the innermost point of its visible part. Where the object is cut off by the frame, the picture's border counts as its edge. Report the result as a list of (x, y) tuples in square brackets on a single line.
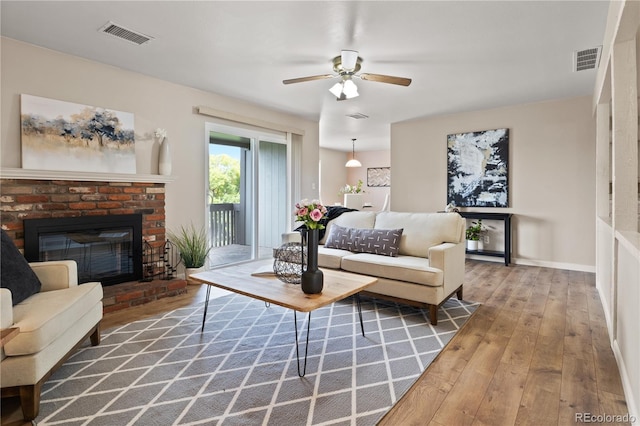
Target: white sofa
[(52, 324), (429, 266)]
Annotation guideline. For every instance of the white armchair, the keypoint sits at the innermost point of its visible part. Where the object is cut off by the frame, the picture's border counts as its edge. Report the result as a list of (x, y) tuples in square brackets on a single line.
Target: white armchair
[(47, 328)]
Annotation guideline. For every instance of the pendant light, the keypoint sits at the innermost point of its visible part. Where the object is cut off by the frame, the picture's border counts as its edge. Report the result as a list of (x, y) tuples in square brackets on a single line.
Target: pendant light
[(353, 162)]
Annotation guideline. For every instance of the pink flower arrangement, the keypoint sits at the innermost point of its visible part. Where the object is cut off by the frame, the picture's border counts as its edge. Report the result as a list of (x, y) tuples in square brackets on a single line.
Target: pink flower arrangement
[(310, 213)]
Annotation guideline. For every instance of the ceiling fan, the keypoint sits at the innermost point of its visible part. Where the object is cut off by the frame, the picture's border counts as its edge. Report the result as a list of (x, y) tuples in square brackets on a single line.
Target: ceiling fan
[(346, 67)]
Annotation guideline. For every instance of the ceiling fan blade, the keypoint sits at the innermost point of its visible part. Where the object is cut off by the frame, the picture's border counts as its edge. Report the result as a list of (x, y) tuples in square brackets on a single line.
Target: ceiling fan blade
[(400, 81), (349, 59), (310, 78)]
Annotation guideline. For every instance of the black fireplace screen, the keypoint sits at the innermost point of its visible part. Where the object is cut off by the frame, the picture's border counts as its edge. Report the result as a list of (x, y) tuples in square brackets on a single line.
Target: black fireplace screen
[(106, 248)]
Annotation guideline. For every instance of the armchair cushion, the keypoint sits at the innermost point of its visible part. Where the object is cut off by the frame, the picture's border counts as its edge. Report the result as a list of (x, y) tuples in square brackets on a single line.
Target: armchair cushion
[(17, 275), (46, 316)]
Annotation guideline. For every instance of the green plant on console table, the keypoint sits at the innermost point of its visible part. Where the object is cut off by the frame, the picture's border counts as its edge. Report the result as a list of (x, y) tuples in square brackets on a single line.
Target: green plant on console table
[(474, 231), (192, 244)]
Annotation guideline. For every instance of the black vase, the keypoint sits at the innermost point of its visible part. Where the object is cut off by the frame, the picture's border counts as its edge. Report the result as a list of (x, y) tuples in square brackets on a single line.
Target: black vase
[(312, 277)]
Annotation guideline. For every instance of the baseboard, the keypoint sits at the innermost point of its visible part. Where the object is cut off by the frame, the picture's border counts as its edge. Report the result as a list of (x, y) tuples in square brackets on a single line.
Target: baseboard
[(626, 385), (607, 313), (556, 265), (542, 263)]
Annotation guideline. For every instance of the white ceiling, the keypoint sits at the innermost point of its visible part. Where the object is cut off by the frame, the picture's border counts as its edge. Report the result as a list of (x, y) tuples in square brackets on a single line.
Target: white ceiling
[(461, 56)]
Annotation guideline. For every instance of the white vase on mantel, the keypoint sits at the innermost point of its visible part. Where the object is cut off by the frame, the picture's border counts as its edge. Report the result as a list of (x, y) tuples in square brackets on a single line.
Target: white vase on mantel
[(164, 158)]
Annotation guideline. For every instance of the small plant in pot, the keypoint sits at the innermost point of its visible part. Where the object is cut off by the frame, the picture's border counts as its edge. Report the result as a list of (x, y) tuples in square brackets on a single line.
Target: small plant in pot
[(193, 247), (473, 234)]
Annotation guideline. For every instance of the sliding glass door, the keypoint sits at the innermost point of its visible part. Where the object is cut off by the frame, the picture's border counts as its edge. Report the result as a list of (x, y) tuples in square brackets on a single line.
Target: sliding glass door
[(248, 193)]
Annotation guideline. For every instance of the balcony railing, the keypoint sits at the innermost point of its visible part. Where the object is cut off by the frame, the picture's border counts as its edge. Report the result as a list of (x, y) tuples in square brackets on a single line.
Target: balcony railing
[(224, 224)]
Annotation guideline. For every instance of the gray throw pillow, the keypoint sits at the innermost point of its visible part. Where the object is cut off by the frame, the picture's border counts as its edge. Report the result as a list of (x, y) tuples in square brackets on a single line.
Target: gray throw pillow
[(16, 274), (375, 241)]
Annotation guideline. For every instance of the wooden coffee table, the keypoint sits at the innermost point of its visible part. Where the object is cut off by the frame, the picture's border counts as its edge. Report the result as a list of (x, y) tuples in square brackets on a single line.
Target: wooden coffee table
[(338, 285)]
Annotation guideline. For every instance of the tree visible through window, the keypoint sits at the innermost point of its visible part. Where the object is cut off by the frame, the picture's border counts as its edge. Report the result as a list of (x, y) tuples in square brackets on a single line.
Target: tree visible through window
[(224, 179)]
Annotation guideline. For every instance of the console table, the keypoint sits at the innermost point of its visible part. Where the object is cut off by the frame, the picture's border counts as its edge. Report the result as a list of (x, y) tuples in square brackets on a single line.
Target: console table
[(506, 217)]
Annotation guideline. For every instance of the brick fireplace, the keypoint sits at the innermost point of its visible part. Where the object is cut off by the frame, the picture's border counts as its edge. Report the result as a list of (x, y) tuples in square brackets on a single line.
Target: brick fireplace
[(39, 199)]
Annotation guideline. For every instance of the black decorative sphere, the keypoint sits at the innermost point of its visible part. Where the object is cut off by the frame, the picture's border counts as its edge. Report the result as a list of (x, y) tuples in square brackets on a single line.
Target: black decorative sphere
[(287, 262)]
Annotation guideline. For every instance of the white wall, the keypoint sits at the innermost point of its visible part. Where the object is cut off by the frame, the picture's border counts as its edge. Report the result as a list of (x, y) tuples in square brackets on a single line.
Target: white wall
[(370, 159), (551, 175), (334, 175), (155, 103)]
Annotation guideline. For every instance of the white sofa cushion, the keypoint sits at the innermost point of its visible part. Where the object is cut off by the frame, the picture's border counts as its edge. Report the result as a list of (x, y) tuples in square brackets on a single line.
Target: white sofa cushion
[(422, 230), (45, 316), (402, 268), (355, 219), (331, 258)]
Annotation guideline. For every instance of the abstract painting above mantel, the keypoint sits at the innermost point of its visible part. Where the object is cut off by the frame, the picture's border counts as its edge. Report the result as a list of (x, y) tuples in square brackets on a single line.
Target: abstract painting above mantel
[(477, 169), (59, 135)]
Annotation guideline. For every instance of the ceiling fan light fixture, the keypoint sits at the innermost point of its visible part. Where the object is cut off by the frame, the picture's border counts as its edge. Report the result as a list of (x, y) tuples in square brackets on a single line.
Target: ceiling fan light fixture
[(336, 89), (353, 162), (350, 89), (345, 89)]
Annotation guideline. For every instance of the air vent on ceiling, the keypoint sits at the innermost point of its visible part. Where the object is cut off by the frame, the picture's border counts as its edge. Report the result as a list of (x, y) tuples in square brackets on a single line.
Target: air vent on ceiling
[(124, 33), (587, 59), (358, 116)]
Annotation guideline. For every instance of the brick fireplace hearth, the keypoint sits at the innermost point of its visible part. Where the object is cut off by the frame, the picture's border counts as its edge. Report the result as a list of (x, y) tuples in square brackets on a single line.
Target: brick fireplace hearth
[(37, 199)]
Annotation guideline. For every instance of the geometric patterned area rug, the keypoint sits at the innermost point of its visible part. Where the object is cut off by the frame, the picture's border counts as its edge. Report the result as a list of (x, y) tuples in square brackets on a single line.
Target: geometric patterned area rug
[(242, 369)]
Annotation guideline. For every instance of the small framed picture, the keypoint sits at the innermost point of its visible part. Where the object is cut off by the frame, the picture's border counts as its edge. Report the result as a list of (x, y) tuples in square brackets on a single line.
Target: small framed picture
[(379, 176)]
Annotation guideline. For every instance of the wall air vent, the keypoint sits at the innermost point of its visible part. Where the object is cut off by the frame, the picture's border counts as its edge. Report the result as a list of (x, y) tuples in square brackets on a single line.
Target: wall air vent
[(124, 33), (587, 59), (358, 116)]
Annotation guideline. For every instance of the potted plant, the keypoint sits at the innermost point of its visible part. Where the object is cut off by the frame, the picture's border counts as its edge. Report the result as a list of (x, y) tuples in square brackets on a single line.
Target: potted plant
[(193, 247), (353, 195), (473, 234)]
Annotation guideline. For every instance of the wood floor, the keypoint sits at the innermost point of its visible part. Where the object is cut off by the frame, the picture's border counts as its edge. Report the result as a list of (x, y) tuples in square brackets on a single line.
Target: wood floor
[(536, 352)]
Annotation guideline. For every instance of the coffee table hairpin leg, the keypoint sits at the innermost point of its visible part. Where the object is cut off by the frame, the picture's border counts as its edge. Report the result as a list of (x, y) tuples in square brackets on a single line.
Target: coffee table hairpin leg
[(306, 346), (206, 305)]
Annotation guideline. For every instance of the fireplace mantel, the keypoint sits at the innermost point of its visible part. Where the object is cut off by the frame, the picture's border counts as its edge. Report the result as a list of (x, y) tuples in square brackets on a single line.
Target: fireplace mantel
[(35, 194), (19, 173)]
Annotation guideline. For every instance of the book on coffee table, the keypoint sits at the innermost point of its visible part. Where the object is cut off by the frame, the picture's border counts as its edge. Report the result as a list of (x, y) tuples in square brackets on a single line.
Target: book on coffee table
[(264, 271)]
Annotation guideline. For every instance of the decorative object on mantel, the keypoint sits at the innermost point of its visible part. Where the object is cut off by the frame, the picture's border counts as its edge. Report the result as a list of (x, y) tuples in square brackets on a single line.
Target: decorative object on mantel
[(310, 213), (194, 249), (164, 155), (59, 135), (477, 170), (378, 176)]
